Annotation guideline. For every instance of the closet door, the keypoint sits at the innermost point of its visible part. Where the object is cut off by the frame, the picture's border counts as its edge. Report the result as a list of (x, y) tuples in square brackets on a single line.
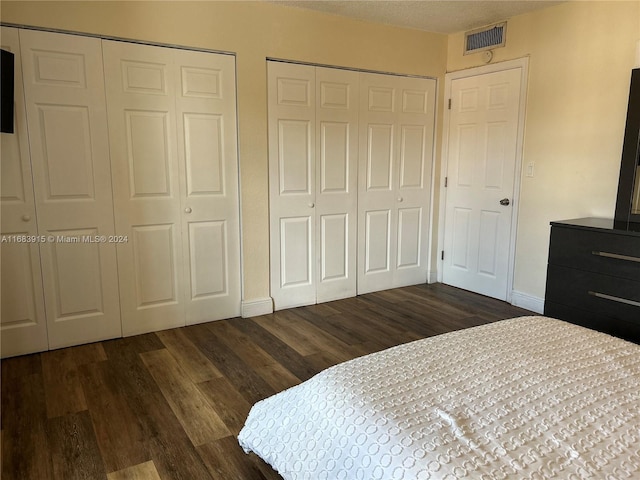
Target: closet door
[(313, 149), (336, 183), (292, 183), (140, 88), (64, 92), (396, 142), (23, 321), (173, 134), (208, 164)]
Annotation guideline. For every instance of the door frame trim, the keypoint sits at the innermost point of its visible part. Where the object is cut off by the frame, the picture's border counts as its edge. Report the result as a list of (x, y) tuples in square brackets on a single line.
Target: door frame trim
[(523, 65)]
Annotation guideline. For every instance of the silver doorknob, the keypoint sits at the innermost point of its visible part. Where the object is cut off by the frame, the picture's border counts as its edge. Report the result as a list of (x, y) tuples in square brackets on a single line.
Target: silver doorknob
[(504, 201), (188, 210), (26, 218), (311, 205)]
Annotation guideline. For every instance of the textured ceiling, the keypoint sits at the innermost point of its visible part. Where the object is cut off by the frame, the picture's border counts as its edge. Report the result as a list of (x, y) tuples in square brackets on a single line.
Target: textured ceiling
[(440, 16)]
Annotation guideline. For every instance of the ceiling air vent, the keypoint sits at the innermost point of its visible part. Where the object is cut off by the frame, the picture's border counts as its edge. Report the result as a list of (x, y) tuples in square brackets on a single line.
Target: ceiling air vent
[(485, 38)]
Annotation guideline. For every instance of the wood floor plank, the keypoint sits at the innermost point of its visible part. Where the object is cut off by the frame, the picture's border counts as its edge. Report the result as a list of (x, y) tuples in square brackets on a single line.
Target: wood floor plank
[(93, 352), (278, 377), (230, 405), (245, 380), (172, 452), (190, 406), (190, 359), (124, 355), (226, 460), (143, 471), (74, 451), (304, 337), (26, 453), (118, 432), (279, 350), (279, 325), (252, 354), (62, 388)]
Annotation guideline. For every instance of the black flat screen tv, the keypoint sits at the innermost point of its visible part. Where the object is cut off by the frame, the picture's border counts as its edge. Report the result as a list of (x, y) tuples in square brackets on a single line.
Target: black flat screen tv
[(6, 91)]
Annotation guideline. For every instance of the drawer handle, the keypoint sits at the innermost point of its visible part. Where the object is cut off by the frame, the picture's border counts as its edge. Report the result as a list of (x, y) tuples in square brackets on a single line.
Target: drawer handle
[(615, 299), (617, 256)]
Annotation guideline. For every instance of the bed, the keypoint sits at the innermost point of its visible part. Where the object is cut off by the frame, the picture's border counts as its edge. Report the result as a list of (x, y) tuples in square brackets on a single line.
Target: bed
[(527, 398)]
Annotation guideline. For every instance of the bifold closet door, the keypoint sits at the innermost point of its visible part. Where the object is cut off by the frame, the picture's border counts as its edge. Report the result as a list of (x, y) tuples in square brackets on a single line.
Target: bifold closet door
[(394, 180), (172, 121), (312, 178), (23, 320), (68, 136), (336, 183)]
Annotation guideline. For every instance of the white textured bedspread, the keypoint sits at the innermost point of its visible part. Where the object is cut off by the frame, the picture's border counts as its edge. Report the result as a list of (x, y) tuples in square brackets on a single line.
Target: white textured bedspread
[(525, 398)]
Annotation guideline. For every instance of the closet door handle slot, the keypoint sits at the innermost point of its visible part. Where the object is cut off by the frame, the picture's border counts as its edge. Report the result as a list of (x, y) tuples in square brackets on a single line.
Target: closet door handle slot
[(617, 256), (614, 299)]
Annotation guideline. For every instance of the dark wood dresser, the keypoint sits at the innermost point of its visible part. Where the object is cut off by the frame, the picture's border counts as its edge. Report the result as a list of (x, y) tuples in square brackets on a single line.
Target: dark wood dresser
[(593, 276)]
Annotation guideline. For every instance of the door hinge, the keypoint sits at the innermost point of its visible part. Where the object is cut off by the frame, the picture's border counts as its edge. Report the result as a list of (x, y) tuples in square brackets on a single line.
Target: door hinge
[(446, 181), (449, 104), (442, 255)]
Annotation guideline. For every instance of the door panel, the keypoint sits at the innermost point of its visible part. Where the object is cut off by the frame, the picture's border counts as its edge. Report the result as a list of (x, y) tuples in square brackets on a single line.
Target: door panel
[(23, 327), (292, 181), (396, 145), (409, 237), (296, 245), (295, 160), (208, 166), (208, 254), (412, 158), (140, 91), (72, 182), (148, 156), (481, 171), (336, 116), (334, 157), (378, 241), (379, 157), (77, 276), (334, 240), (156, 276)]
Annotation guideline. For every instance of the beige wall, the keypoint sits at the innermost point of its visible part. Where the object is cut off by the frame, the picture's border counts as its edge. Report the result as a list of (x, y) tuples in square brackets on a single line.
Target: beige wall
[(580, 54), (580, 60), (253, 31)]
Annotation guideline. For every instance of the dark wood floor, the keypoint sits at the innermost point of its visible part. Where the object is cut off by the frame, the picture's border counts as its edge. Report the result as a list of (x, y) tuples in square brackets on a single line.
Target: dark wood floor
[(168, 405)]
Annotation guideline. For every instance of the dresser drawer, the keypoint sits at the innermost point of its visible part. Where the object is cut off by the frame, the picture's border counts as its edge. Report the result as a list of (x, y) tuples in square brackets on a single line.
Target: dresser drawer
[(628, 330), (603, 295), (616, 255)]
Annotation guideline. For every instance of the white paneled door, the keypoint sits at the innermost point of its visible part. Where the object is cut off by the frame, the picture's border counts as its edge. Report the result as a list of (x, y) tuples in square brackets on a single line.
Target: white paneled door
[(67, 124), (23, 321), (336, 183), (394, 180), (313, 190), (350, 159), (483, 134), (172, 121)]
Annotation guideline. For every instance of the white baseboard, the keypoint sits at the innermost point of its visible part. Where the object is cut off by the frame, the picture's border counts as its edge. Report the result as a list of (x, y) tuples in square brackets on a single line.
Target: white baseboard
[(254, 308), (528, 302), (432, 276)]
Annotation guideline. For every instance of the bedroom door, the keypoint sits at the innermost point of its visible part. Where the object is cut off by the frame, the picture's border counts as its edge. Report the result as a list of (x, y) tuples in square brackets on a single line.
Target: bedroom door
[(484, 124), (312, 178), (172, 121), (68, 136), (396, 124), (22, 318)]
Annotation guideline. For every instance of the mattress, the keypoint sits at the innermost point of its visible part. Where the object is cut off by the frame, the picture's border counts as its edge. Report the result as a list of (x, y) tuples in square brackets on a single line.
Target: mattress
[(527, 398)]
